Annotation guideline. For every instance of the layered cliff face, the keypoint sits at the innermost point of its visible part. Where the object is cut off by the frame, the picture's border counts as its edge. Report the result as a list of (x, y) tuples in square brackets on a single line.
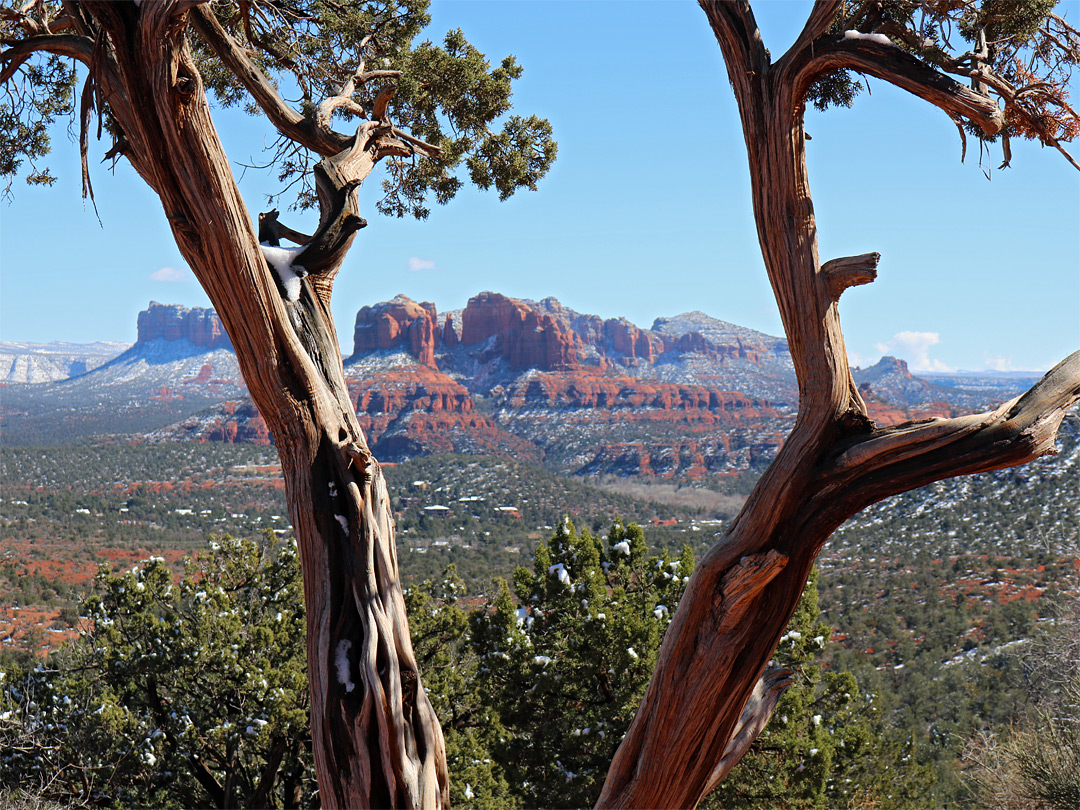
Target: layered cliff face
[(398, 323), (521, 335), (547, 336), (689, 398), (411, 409), (592, 422), (200, 327)]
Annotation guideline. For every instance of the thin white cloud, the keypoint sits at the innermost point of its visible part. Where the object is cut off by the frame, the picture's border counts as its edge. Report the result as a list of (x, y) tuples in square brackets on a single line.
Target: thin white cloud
[(855, 358), (999, 363), (914, 347), (170, 274), (416, 264)]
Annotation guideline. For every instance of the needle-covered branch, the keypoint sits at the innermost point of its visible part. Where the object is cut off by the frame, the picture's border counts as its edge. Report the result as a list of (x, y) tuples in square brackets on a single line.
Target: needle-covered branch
[(287, 120), (1020, 53)]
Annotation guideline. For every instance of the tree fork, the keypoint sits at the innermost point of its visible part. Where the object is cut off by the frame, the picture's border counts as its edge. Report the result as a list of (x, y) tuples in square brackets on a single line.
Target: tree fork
[(713, 690), (378, 743)]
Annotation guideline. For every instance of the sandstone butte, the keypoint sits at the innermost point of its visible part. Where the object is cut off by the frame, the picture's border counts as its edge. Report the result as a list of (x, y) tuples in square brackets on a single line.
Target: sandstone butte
[(572, 364), (542, 335), (201, 327)]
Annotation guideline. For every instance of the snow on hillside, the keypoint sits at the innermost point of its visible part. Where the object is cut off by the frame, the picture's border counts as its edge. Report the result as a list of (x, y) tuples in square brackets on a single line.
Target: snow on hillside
[(48, 362)]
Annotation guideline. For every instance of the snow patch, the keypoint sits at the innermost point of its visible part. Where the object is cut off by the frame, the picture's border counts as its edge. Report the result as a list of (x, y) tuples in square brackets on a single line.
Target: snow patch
[(282, 260), (560, 571), (880, 39), (341, 664), (622, 547)]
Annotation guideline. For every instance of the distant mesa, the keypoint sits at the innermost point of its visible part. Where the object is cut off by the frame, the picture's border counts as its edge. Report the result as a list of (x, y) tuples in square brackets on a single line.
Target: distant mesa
[(689, 398), (546, 336), (36, 363), (200, 327), (891, 380), (400, 322)]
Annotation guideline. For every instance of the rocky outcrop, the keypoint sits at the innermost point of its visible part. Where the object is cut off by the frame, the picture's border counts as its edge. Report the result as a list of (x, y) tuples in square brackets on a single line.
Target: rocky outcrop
[(414, 410), (589, 389), (389, 393), (449, 334), (231, 422), (398, 323), (200, 327), (890, 378), (885, 413), (523, 336), (627, 341)]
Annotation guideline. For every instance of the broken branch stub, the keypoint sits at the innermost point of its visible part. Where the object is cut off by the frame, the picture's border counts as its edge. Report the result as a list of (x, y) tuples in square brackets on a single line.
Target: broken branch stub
[(849, 271)]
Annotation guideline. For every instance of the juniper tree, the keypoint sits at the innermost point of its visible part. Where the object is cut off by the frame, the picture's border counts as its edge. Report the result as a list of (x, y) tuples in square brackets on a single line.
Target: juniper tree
[(177, 693), (365, 92), (565, 658), (999, 70)]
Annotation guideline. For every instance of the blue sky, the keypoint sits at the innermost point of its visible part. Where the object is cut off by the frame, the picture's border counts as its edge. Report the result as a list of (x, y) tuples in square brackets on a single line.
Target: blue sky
[(645, 213)]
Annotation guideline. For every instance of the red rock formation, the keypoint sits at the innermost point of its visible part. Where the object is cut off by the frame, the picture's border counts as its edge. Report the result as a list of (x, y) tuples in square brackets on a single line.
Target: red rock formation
[(885, 413), (239, 422), (410, 388), (632, 343), (202, 327), (736, 349), (449, 334), (415, 410), (674, 402), (203, 376), (881, 412), (398, 323), (524, 337)]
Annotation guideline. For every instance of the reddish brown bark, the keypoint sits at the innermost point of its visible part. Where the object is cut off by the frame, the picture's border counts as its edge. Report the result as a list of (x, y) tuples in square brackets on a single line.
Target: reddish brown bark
[(376, 739), (711, 692)]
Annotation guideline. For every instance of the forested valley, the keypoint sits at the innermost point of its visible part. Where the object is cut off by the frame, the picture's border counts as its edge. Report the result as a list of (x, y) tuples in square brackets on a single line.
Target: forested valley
[(538, 603)]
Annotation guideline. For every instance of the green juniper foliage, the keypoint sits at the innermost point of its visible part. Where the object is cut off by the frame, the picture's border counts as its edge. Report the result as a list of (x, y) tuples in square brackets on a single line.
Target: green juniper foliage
[(28, 110), (439, 626), (1023, 42), (447, 95), (567, 662), (826, 745), (194, 693), (177, 694)]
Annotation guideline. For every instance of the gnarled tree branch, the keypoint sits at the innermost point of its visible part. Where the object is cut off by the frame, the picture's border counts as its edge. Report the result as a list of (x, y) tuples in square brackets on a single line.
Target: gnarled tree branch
[(288, 121), (834, 463), (894, 65), (73, 45)]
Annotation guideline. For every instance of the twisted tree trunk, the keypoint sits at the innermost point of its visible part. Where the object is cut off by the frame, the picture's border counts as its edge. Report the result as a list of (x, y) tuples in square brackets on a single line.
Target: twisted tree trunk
[(712, 691), (376, 739)]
